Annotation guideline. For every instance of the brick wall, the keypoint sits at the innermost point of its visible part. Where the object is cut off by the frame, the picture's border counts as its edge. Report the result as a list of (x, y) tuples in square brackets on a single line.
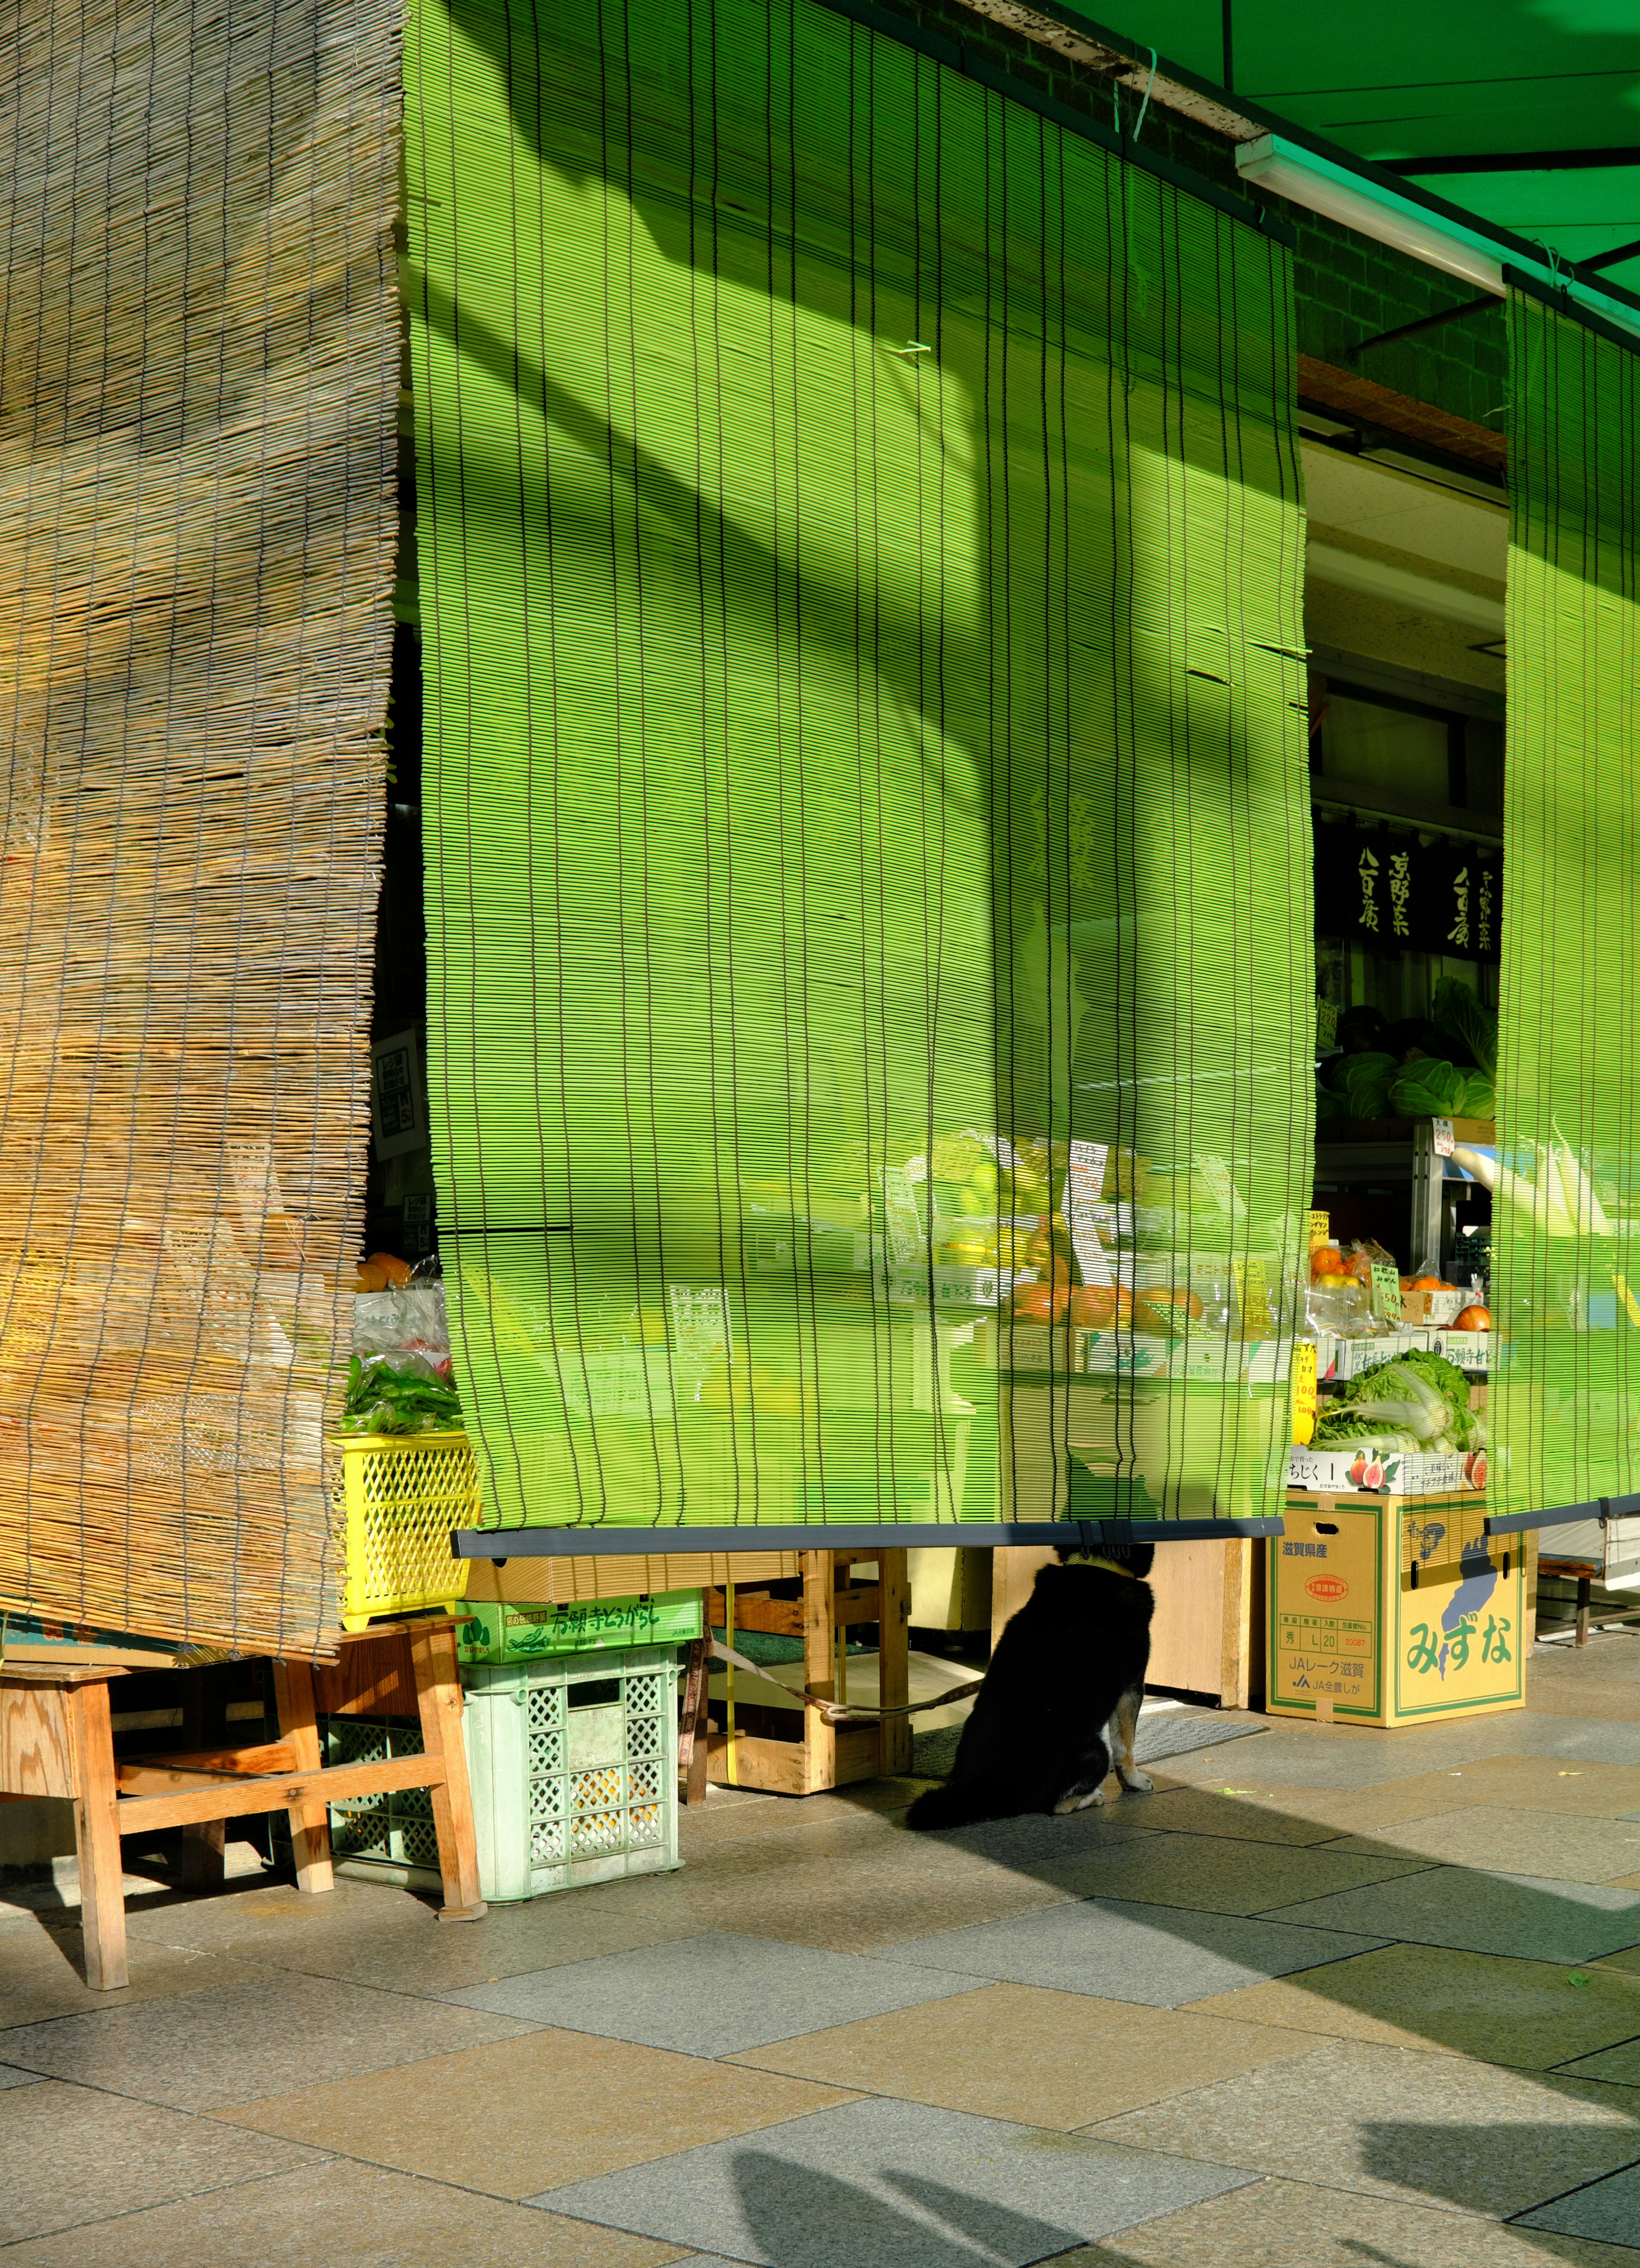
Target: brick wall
[(1348, 287)]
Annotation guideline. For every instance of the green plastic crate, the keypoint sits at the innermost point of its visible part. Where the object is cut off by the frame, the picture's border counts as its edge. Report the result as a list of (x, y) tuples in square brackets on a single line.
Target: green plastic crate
[(574, 1762), (391, 1833), (497, 1631)]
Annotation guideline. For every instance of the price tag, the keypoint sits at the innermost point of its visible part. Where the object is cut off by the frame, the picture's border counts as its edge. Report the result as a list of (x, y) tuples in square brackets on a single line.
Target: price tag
[(1253, 1291), (1445, 1140), (1326, 1024), (1386, 1290), (1304, 1397), (1320, 1229)]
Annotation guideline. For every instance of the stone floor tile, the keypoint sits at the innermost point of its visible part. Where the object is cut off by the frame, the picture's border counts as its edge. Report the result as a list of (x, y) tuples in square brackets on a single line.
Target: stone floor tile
[(1158, 1955), (342, 2211), (43, 1975), (1615, 1701), (10, 2076), (1227, 1809), (1274, 2224), (72, 2155), (1046, 2059), (1609, 2210), (1600, 1790), (879, 2184), (1430, 2128), (1218, 1874), (1551, 1845), (1533, 1919), (710, 1995), (553, 2107), (247, 2039), (1525, 2013), (1619, 2066)]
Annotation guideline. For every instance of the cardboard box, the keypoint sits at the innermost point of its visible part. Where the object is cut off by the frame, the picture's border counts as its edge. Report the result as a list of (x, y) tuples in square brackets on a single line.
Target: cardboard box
[(1471, 1350), (1140, 1354), (1435, 1308), (1351, 1357), (1409, 1472), (1386, 1615), (495, 1631)]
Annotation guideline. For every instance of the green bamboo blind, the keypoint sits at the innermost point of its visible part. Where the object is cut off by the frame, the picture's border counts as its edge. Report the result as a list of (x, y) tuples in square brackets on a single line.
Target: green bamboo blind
[(1566, 1231), (861, 551)]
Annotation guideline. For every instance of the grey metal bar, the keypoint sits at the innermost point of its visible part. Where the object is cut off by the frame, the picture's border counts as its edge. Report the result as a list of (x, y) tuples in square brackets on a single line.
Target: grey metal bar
[(586, 1543)]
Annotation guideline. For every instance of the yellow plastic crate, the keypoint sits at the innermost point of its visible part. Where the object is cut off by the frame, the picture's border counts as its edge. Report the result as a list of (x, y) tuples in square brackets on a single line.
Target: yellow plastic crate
[(397, 1499)]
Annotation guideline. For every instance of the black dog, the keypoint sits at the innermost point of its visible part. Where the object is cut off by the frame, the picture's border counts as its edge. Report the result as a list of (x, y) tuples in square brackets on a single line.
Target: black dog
[(1070, 1664)]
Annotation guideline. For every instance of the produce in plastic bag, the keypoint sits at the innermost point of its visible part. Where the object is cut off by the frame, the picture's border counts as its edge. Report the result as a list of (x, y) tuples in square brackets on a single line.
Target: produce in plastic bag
[(403, 1393), (409, 1321)]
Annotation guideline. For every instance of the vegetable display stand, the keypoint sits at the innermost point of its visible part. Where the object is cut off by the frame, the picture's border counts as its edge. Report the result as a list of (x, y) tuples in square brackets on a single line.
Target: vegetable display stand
[(792, 1749), (397, 1497), (574, 1769), (1393, 1610), (57, 1738)]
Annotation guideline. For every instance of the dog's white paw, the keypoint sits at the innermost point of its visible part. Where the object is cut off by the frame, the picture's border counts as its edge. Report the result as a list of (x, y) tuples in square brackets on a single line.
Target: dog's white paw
[(1136, 1782), (1086, 1801)]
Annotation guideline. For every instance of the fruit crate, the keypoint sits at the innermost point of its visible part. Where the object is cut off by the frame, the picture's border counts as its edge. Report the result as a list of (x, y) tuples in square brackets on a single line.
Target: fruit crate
[(394, 1831), (396, 1497), (573, 1763)]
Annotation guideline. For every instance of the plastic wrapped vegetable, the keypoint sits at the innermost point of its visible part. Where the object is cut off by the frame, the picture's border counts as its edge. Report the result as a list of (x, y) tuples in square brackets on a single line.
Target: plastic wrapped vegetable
[(1420, 1397), (1456, 1010), (1425, 1088), (1364, 1081)]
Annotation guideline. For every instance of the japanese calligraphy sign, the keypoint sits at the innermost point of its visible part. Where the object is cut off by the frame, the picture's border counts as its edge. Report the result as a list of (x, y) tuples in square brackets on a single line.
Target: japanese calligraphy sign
[(1389, 887)]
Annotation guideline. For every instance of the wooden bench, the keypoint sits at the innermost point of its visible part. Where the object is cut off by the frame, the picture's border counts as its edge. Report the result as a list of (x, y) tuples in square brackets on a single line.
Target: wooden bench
[(57, 1738)]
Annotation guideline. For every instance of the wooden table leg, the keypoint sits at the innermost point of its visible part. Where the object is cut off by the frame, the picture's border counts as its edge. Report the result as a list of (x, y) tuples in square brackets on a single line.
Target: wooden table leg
[(439, 1700), (1583, 1587), (692, 1739), (894, 1660), (202, 1860), (97, 1837), (298, 1726)]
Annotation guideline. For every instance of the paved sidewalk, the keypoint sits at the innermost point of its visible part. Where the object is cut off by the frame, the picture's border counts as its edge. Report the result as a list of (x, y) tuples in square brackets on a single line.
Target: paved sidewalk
[(1327, 2000)]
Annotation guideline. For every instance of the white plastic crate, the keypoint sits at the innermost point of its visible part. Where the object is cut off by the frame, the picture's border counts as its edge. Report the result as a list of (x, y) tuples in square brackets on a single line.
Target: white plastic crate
[(573, 1763)]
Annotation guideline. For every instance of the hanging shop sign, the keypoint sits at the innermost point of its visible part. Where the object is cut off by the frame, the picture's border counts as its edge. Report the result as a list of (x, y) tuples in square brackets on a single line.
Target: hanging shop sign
[(1383, 887)]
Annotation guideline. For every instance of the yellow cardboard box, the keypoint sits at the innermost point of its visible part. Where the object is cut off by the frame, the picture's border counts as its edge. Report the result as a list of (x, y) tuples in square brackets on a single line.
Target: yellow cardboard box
[(1393, 1612)]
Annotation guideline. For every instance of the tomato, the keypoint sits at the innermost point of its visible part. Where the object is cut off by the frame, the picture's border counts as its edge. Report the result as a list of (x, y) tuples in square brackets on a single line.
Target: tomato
[(1093, 1305)]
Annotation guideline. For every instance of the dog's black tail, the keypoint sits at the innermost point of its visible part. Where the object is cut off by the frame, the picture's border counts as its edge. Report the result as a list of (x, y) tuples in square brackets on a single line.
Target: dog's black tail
[(956, 1804)]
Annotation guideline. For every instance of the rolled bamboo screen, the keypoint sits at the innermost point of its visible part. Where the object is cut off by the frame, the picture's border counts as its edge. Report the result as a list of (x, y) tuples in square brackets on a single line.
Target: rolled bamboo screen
[(197, 416)]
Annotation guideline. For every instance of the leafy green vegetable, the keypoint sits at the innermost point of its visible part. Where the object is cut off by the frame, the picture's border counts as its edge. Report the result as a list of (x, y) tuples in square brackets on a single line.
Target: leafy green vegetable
[(385, 1397), (1412, 1375), (1363, 1080), (1480, 1095), (1456, 1010), (1428, 1088)]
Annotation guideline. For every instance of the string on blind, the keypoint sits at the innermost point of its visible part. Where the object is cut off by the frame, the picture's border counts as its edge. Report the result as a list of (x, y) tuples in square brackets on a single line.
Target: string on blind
[(870, 957)]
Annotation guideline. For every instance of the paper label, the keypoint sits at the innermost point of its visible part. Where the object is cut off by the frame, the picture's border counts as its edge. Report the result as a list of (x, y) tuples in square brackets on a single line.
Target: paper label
[(1083, 1180), (901, 1218), (1325, 1025), (1445, 1140), (1386, 1290), (1320, 1229), (1303, 1391), (1252, 1293)]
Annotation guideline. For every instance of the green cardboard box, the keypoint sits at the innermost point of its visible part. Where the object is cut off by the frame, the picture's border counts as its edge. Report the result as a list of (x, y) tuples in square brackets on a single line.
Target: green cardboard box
[(500, 1630)]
